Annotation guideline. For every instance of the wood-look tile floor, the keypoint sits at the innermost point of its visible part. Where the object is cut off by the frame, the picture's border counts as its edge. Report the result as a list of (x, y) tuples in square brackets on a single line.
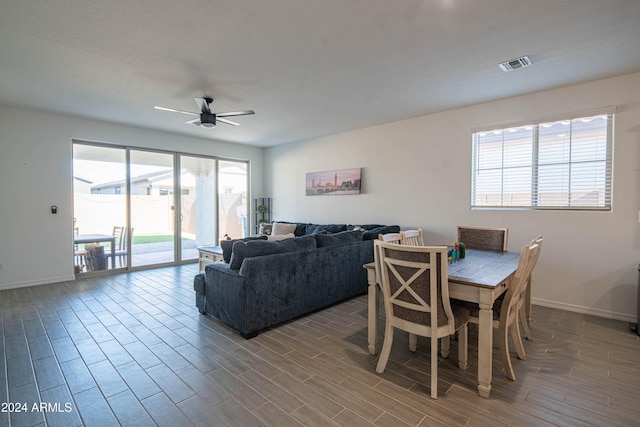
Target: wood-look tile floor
[(131, 349)]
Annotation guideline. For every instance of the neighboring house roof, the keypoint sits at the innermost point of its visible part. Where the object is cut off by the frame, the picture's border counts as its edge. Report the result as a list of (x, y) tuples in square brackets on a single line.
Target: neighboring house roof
[(86, 181), (148, 177)]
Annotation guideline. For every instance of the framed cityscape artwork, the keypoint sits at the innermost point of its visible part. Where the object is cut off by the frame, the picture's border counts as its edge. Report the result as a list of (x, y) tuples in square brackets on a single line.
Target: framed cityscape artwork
[(335, 182)]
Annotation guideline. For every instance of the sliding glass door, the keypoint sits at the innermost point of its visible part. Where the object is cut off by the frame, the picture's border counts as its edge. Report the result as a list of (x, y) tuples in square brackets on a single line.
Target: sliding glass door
[(153, 209), (197, 204), (213, 200), (148, 208), (99, 207), (232, 199)]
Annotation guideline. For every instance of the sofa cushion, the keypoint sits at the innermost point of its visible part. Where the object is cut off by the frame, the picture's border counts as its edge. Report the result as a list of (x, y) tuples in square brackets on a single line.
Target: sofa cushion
[(373, 233), (371, 226), (342, 238), (328, 228), (227, 246), (280, 228), (254, 248)]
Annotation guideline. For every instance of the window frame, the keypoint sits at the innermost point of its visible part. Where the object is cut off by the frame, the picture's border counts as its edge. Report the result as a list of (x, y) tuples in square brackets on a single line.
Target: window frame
[(534, 197)]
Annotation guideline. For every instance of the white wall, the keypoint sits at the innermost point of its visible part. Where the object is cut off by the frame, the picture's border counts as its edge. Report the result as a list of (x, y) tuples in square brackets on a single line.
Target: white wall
[(36, 247), (416, 173)]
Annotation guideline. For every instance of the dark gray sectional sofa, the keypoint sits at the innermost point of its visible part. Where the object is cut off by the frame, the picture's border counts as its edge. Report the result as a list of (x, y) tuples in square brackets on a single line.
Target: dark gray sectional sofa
[(270, 282)]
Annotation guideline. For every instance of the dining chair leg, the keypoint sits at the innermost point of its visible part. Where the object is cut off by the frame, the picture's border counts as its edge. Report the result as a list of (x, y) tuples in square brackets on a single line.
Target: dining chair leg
[(445, 345), (463, 348), (413, 342), (517, 340), (525, 324), (386, 348), (504, 350), (434, 366)]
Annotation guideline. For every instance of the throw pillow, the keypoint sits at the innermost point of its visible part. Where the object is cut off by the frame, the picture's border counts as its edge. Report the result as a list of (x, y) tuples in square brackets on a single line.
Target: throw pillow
[(280, 228), (281, 236), (265, 228), (342, 238), (227, 246), (255, 248)]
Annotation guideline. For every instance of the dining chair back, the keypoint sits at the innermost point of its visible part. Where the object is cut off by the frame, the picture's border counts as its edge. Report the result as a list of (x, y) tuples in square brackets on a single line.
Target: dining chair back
[(415, 288), (491, 239), (121, 235), (524, 303), (79, 254), (390, 237), (412, 237)]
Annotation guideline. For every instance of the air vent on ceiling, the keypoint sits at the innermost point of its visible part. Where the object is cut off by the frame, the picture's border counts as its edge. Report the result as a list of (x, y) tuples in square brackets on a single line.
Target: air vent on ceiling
[(514, 64)]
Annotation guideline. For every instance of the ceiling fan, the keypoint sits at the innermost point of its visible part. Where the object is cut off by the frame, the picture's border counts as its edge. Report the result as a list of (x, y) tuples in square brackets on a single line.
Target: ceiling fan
[(208, 119)]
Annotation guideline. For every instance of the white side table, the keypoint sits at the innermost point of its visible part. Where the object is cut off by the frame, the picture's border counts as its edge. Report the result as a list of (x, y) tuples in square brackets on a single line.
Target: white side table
[(208, 255)]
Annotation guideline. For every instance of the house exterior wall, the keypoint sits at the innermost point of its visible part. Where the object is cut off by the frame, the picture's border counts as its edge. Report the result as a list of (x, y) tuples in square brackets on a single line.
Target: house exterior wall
[(417, 173)]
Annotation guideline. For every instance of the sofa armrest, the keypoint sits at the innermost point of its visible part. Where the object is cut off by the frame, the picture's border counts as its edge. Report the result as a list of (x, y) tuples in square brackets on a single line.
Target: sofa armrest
[(226, 296), (198, 283), (200, 288)]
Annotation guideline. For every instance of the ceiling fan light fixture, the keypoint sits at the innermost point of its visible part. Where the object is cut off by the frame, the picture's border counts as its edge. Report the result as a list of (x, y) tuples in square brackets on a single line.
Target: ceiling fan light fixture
[(208, 119), (515, 64)]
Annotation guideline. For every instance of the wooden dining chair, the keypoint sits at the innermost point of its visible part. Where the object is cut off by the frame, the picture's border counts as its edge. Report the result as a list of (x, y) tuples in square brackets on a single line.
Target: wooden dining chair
[(412, 237), (524, 303), (415, 289), (505, 311), (490, 239)]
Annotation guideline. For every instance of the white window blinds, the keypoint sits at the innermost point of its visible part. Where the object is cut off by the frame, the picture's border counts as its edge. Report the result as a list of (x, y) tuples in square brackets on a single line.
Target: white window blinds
[(558, 164)]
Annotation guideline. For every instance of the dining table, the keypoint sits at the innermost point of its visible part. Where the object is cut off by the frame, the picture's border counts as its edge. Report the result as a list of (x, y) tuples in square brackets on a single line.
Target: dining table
[(98, 238), (481, 277)]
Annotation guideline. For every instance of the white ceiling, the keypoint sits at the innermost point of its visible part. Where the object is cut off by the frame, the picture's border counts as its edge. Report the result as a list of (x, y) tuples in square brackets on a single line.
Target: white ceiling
[(308, 68)]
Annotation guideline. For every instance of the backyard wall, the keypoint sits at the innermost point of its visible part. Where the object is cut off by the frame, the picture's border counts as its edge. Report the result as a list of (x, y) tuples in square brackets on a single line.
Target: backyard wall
[(416, 173)]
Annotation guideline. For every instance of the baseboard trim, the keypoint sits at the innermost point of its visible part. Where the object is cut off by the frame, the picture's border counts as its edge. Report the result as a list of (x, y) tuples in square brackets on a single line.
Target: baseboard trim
[(585, 310), (46, 281)]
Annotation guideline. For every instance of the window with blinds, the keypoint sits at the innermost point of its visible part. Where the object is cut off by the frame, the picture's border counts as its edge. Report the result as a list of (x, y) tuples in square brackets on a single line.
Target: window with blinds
[(565, 163)]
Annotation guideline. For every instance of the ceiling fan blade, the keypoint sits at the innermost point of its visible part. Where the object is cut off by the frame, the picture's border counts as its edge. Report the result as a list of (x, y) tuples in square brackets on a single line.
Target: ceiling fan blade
[(193, 122), (203, 104), (175, 111), (229, 122), (235, 113)]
